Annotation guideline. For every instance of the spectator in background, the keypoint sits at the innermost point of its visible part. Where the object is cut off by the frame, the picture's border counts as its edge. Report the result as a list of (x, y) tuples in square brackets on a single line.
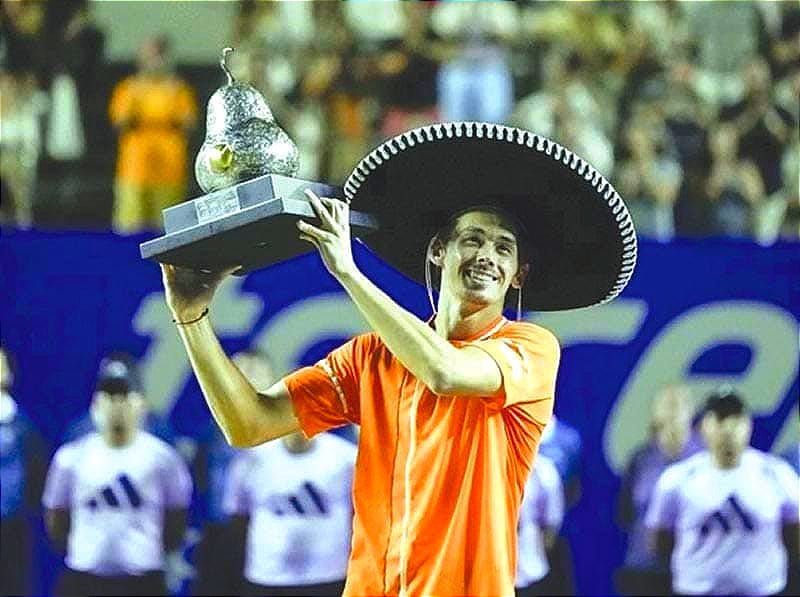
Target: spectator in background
[(687, 118), (22, 105), (152, 422), (734, 185), (77, 46), (561, 445), (764, 126), (219, 555), (567, 110), (792, 456), (22, 468), (593, 31), (475, 82), (724, 37), (292, 501), (270, 39), (728, 517), (116, 498), (671, 440), (153, 110), (649, 177), (339, 77), (540, 518), (22, 31), (407, 69)]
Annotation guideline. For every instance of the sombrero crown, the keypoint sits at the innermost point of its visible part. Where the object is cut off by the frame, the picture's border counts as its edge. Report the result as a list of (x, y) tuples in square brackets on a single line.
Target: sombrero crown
[(580, 232)]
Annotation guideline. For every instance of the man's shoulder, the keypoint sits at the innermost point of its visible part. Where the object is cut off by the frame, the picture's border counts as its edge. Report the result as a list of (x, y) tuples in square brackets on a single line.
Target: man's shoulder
[(68, 454), (770, 464), (526, 330), (675, 475), (147, 442)]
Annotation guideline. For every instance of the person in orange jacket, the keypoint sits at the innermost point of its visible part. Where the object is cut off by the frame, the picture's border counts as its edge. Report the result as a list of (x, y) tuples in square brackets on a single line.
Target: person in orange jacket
[(154, 111)]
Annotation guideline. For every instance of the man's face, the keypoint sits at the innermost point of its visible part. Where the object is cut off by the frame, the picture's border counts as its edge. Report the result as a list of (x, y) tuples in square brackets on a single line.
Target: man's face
[(6, 379), (672, 420), (151, 57), (119, 412), (727, 438), (480, 260)]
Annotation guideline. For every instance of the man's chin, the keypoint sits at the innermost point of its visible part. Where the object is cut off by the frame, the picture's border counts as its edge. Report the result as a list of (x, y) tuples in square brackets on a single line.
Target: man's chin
[(479, 298)]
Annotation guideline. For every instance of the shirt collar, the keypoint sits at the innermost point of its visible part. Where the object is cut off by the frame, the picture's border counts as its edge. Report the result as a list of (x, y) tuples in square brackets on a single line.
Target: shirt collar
[(486, 332)]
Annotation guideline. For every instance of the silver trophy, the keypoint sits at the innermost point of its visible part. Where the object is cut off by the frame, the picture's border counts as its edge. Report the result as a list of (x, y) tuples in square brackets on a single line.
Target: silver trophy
[(247, 166)]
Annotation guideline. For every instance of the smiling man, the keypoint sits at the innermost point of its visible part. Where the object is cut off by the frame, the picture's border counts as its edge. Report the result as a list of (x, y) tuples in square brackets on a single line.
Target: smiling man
[(451, 411)]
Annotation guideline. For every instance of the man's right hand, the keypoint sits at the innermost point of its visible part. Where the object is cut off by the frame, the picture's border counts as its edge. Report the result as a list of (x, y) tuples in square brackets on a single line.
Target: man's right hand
[(188, 291)]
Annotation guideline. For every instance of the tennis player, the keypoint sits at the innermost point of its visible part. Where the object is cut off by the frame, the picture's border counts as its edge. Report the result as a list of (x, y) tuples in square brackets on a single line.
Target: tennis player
[(451, 410)]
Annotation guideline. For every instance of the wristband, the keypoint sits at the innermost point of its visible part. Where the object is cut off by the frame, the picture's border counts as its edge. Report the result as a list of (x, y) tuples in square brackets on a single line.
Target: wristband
[(202, 315)]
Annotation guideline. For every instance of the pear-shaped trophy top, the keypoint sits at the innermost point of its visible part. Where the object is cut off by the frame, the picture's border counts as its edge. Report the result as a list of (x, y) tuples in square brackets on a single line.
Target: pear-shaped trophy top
[(243, 140), (234, 103)]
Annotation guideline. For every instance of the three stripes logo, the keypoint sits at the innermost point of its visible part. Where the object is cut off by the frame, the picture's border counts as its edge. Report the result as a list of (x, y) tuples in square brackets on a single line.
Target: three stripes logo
[(308, 501), (122, 493), (731, 517)]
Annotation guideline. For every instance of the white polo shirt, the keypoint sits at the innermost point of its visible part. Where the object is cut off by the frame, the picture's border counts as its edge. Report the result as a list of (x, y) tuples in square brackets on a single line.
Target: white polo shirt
[(117, 498), (542, 508), (300, 509), (727, 523)]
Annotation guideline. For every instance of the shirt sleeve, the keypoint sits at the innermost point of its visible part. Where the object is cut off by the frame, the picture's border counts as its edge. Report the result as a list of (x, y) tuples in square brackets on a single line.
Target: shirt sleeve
[(327, 395), (187, 104), (662, 513), (177, 482), (121, 105), (790, 504), (236, 497), (550, 511), (60, 480), (528, 357)]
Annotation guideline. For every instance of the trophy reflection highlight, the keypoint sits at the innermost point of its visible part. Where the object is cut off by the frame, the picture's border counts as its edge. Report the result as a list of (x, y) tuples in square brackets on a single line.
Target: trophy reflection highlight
[(247, 166)]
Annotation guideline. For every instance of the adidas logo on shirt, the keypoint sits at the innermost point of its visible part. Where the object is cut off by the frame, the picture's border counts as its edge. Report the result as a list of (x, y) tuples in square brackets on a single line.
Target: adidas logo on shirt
[(726, 517), (308, 501), (122, 493)]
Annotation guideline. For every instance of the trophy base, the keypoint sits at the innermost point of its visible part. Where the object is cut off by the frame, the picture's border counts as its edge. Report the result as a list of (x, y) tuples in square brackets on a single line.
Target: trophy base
[(251, 224)]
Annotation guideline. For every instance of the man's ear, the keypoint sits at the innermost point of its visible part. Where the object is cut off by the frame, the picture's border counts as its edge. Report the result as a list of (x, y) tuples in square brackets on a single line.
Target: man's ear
[(519, 278), (436, 252)]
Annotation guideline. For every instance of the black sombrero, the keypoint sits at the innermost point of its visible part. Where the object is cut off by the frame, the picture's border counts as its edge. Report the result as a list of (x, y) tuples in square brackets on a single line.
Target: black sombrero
[(580, 231)]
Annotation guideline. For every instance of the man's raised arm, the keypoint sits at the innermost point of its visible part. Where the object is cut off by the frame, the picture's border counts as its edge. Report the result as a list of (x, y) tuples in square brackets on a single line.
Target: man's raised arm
[(248, 416)]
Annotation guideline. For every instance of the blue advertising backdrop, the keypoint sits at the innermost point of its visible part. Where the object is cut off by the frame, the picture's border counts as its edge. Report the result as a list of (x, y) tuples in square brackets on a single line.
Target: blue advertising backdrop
[(701, 313)]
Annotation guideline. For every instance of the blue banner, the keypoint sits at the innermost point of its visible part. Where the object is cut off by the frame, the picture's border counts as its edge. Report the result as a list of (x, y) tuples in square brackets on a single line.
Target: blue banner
[(697, 312)]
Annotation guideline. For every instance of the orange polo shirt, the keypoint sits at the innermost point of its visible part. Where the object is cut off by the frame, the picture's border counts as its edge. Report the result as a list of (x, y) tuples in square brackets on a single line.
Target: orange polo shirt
[(155, 151), (438, 480)]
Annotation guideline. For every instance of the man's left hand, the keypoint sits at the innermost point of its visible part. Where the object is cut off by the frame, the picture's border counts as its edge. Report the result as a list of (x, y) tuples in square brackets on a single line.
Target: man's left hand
[(332, 239)]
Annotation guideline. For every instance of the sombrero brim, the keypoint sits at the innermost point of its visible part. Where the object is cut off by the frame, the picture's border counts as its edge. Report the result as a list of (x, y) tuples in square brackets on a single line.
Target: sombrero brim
[(582, 236)]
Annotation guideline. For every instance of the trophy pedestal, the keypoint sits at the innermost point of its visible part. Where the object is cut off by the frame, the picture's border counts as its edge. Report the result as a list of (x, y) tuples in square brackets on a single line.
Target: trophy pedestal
[(252, 224)]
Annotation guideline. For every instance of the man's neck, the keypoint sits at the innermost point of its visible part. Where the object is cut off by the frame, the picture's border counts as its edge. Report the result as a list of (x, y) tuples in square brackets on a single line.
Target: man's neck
[(458, 321), (726, 462), (119, 439)]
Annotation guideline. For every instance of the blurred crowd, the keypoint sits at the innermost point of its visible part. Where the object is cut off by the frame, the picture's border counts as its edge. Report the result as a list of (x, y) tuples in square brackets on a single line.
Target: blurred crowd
[(690, 109), (134, 509)]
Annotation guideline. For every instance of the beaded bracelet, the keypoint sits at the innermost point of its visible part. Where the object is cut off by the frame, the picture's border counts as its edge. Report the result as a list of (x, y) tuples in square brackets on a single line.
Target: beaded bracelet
[(203, 314)]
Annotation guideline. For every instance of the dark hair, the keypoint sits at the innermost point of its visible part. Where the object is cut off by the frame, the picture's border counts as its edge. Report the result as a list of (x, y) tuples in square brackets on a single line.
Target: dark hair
[(507, 219), (117, 374), (724, 403)]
